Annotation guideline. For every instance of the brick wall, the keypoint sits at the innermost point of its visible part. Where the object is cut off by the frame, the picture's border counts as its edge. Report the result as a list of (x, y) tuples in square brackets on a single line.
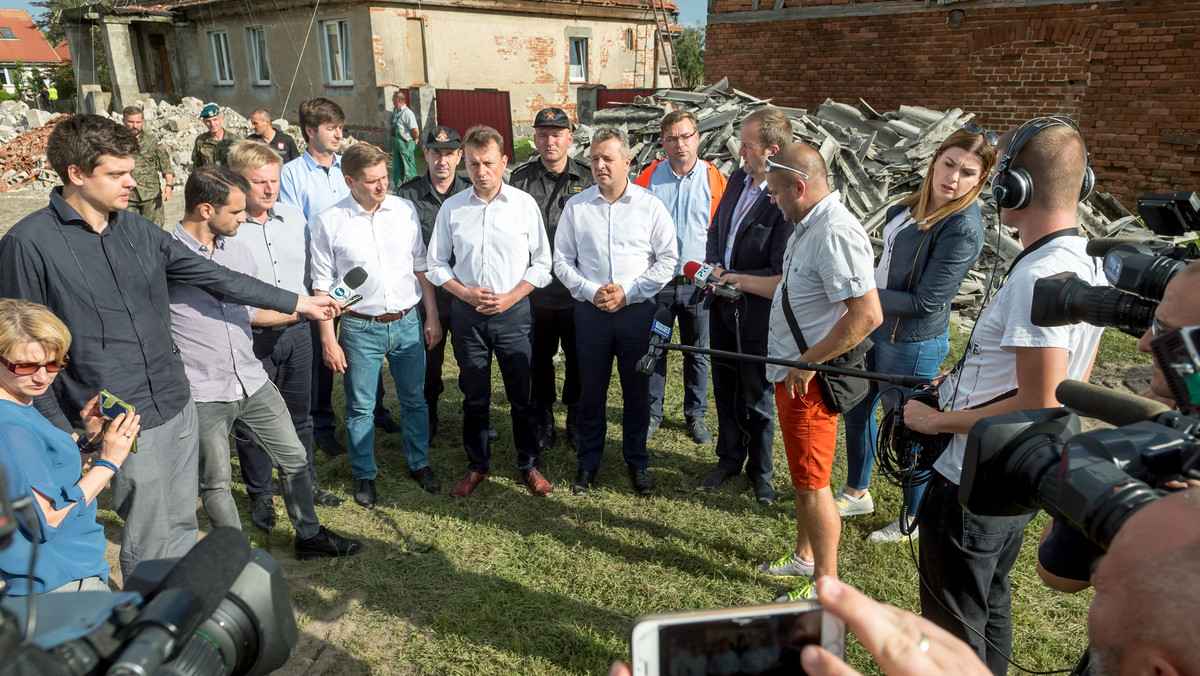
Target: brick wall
[(1126, 70)]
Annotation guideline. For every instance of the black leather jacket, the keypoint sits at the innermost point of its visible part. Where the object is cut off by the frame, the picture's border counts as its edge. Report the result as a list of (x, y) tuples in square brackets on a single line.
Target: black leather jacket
[(927, 268)]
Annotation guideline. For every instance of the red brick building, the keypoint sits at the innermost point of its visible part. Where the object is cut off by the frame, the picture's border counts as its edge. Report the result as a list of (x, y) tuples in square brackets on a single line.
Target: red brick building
[(1125, 69)]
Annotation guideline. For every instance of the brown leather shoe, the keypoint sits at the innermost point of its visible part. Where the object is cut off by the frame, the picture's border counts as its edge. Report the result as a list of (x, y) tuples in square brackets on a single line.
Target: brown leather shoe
[(467, 484), (538, 485)]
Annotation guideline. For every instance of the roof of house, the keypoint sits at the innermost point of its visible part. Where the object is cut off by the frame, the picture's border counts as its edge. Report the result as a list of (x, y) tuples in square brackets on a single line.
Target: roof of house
[(27, 43), (63, 50)]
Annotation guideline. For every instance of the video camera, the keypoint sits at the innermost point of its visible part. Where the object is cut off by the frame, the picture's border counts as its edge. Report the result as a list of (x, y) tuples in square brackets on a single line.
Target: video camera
[(221, 609), (1023, 461), (1138, 272)]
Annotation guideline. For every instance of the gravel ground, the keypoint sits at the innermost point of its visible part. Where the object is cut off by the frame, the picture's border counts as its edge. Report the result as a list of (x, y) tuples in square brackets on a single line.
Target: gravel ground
[(17, 204)]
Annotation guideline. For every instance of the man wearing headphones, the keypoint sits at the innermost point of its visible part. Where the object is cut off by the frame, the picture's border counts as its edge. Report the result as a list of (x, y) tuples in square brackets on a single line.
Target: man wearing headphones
[(1009, 365)]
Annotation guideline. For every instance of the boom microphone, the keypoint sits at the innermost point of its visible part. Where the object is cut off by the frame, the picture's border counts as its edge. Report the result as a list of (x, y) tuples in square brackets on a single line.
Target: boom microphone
[(1115, 408), (343, 291), (701, 276), (186, 597), (660, 332)]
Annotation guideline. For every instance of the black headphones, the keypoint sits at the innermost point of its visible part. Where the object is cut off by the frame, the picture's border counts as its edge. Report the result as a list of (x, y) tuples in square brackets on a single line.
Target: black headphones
[(1012, 187)]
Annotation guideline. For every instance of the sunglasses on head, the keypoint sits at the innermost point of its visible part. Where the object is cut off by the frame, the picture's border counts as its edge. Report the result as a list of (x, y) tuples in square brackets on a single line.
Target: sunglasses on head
[(989, 136), (28, 368), (775, 165)]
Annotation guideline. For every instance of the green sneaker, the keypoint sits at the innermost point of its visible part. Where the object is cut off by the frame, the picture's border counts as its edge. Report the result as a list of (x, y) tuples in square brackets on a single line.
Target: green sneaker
[(786, 566), (807, 591)]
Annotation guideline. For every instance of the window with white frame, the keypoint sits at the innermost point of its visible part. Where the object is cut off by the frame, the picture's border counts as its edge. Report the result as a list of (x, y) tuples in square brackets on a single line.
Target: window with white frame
[(335, 52), (579, 59), (256, 43), (218, 41)]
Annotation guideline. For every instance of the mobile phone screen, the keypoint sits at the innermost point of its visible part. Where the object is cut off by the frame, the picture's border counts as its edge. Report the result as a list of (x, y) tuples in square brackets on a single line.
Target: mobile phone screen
[(759, 645)]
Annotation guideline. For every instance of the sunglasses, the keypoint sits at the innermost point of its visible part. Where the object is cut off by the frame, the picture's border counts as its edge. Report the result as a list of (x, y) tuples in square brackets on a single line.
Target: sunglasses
[(28, 368), (775, 165), (989, 136)]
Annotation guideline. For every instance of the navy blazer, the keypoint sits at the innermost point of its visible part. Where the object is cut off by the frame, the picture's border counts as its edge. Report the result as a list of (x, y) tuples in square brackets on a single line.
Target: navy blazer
[(757, 250), (927, 268)]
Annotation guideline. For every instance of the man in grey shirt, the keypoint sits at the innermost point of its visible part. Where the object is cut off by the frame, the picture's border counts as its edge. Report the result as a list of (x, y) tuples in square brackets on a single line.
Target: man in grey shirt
[(228, 383)]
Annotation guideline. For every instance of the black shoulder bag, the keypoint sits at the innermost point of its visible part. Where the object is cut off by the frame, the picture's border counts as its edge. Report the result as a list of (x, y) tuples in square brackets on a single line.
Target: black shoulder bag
[(841, 393)]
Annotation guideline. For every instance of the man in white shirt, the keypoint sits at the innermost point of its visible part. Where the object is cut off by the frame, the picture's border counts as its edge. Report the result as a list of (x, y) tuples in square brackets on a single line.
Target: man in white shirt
[(404, 132), (1010, 365), (829, 284), (614, 251), (495, 235), (381, 234)]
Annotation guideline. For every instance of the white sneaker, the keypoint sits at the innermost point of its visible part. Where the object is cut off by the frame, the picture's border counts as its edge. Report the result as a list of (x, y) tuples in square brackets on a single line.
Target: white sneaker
[(892, 533), (848, 505)]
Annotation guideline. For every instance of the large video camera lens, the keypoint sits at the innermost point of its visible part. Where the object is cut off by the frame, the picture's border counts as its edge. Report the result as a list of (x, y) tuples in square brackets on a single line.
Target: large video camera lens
[(1065, 299), (1137, 269)]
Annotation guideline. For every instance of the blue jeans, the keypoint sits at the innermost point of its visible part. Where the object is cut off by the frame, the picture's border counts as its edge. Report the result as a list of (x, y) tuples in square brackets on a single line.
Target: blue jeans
[(682, 302), (367, 343), (922, 358)]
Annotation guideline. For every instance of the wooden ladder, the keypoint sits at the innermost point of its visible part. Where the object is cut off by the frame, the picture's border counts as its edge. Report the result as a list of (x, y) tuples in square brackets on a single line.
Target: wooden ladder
[(662, 23)]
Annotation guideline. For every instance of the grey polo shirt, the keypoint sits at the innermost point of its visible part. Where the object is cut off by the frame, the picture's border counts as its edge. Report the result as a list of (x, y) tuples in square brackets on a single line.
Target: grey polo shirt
[(279, 247)]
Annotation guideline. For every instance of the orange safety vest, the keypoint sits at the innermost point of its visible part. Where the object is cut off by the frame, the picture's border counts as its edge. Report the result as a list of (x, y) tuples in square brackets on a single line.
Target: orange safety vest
[(716, 183)]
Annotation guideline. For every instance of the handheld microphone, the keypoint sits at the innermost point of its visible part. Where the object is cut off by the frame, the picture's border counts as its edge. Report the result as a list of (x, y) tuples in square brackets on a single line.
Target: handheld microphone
[(343, 291), (701, 276), (187, 596), (660, 332), (1115, 408)]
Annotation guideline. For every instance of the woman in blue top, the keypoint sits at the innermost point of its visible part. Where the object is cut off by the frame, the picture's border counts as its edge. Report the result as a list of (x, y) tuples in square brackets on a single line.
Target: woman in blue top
[(43, 461), (930, 241)]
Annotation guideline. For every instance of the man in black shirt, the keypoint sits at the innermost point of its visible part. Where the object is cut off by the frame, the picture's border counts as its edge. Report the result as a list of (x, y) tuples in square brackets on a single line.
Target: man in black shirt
[(264, 132), (553, 177), (443, 151), (104, 272)]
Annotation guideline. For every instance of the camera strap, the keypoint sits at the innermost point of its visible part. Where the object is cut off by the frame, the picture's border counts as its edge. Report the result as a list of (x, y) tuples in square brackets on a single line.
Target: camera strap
[(1041, 242)]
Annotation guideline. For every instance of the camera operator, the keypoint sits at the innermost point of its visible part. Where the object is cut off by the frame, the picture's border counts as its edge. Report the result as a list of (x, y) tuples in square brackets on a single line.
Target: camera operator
[(1009, 365)]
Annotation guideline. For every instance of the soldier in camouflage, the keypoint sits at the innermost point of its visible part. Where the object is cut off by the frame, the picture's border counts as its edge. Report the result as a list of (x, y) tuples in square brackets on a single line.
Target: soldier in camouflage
[(212, 147), (151, 160)]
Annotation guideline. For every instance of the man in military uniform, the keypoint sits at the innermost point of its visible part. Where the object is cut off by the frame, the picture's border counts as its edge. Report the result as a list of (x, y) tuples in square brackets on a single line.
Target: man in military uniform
[(443, 151), (212, 147), (275, 139), (147, 197), (552, 178), (404, 133)]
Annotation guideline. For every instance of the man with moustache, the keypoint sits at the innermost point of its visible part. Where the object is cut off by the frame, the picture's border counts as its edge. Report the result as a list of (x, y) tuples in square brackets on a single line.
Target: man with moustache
[(552, 178), (494, 234), (151, 160), (616, 250)]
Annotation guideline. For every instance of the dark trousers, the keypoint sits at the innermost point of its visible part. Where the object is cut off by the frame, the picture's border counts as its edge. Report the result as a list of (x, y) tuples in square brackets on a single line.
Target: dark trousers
[(322, 390), (745, 402), (287, 358), (964, 564), (476, 338), (551, 327), (601, 335), (693, 330), (435, 356)]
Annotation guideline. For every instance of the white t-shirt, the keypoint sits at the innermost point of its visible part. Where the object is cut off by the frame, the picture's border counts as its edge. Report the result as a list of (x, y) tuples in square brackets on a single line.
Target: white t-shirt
[(890, 232), (990, 368)]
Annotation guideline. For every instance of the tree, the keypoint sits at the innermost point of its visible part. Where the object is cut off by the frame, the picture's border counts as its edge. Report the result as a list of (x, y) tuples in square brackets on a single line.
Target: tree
[(689, 52), (49, 23)]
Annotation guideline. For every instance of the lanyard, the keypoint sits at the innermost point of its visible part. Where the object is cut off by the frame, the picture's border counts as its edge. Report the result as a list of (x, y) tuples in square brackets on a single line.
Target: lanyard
[(1041, 242)]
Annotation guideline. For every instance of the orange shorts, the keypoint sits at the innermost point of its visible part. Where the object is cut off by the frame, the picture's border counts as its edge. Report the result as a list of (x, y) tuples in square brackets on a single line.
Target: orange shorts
[(809, 433)]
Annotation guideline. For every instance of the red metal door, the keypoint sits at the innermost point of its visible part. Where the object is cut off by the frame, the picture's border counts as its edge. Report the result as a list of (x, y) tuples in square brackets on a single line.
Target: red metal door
[(462, 109)]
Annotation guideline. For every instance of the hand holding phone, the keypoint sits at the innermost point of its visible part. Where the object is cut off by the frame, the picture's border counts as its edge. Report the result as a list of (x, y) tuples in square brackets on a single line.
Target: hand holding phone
[(111, 407)]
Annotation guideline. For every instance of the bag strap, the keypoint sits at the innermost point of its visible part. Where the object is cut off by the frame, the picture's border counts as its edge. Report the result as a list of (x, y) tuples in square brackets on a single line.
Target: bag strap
[(790, 316)]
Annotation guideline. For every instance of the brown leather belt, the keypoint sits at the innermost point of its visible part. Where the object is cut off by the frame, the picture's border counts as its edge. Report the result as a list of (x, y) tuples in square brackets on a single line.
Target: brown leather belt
[(381, 319)]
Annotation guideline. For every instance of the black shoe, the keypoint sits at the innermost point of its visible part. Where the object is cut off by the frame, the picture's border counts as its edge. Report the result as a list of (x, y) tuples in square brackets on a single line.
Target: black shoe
[(655, 421), (764, 491), (329, 445), (545, 429), (364, 492), (493, 435), (583, 482), (643, 483), (715, 479), (573, 428), (698, 431), (388, 425), (426, 478), (326, 543), (325, 498), (263, 514)]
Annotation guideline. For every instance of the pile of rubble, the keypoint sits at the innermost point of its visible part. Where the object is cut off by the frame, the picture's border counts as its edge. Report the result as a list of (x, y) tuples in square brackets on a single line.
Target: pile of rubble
[(874, 159), (23, 134)]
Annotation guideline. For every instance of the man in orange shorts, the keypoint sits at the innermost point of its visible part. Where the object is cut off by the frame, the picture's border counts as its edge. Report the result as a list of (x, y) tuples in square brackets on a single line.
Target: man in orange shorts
[(829, 283)]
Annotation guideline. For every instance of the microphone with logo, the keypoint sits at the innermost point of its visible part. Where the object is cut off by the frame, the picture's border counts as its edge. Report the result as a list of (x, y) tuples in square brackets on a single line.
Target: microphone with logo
[(343, 291), (660, 332), (701, 276)]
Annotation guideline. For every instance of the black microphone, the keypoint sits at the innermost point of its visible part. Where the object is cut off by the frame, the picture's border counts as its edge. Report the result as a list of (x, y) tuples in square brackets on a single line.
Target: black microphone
[(701, 276), (186, 597), (1115, 408), (660, 332), (343, 291)]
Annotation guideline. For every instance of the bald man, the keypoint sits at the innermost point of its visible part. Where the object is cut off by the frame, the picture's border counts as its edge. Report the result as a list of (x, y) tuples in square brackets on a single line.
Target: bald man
[(1010, 365), (828, 294)]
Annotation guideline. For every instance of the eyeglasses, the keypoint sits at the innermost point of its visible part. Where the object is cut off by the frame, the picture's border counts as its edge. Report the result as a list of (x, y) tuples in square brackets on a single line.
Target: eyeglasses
[(775, 165), (1157, 329), (989, 136), (682, 138), (28, 368)]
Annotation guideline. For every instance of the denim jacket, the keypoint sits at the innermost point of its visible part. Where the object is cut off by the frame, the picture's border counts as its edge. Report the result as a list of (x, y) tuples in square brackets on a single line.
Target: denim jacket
[(927, 268)]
